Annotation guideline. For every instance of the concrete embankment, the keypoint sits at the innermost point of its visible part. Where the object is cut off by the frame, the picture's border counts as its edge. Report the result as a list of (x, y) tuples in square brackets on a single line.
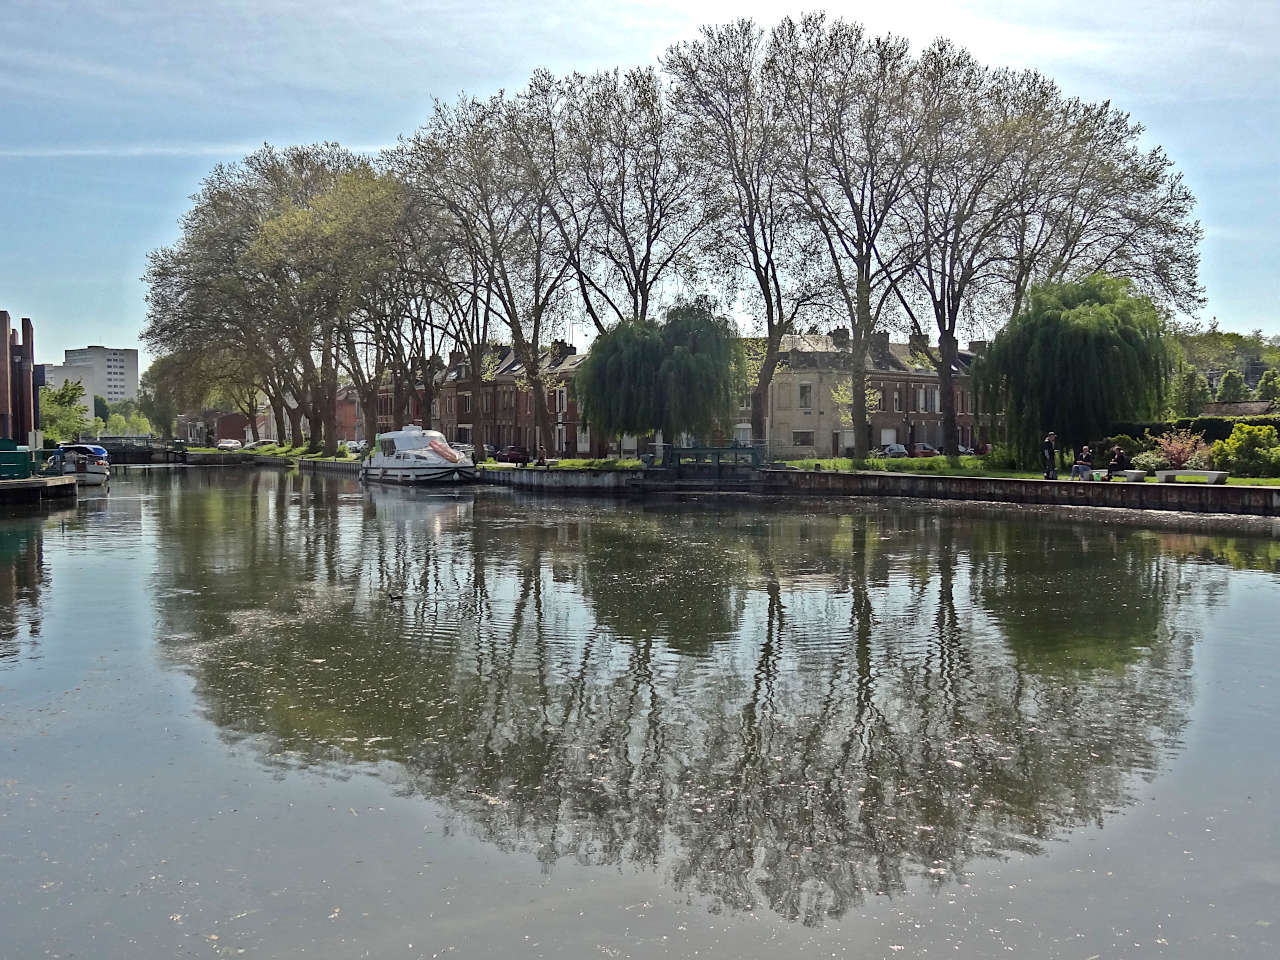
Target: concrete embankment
[(1257, 501), (1184, 497), (614, 482)]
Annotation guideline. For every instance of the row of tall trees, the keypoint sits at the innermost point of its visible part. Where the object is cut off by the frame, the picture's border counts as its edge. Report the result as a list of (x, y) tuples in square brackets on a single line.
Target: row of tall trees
[(811, 173)]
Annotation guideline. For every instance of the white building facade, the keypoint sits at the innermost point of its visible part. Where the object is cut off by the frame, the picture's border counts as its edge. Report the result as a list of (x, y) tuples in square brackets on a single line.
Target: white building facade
[(57, 374), (115, 371)]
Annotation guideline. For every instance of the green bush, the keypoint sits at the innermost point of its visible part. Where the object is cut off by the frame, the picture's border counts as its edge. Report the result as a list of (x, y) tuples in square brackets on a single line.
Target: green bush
[(1250, 451), (1129, 444), (1150, 461), (1000, 457)]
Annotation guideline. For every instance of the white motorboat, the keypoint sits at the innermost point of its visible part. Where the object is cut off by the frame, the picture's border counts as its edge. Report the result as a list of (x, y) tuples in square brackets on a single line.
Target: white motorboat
[(416, 456), (87, 462)]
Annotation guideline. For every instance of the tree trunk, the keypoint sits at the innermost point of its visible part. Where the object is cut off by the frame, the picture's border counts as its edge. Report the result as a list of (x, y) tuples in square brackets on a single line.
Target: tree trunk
[(858, 404), (277, 415), (541, 413), (947, 351), (760, 393), (330, 413), (295, 424)]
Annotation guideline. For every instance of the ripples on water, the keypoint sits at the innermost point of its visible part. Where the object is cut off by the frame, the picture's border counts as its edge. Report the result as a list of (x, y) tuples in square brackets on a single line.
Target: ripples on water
[(769, 707)]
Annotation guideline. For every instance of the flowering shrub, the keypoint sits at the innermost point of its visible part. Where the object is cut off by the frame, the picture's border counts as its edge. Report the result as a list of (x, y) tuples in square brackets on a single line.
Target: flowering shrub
[(1179, 446)]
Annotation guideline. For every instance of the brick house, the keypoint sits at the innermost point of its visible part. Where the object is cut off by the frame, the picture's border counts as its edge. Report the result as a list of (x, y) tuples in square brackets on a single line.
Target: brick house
[(804, 421), (498, 409)]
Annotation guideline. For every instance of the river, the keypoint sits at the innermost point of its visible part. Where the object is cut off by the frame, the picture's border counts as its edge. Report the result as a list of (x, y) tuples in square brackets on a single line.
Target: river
[(248, 713)]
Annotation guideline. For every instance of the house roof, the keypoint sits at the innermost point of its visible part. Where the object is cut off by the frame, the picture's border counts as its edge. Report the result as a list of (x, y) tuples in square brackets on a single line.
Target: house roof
[(1242, 408), (882, 356)]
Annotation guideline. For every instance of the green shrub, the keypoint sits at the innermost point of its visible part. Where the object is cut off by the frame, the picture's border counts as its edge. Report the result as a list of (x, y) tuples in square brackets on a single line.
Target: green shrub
[(1250, 451), (1000, 457), (1150, 461), (1129, 444)]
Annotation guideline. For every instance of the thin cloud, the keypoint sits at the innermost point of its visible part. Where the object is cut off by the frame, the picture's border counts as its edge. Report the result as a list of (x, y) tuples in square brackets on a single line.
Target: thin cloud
[(156, 150)]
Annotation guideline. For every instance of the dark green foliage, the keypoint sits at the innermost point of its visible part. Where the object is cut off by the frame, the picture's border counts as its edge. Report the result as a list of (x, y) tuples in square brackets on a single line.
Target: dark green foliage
[(1078, 358), (674, 376), (1268, 386), (100, 407), (1232, 388), (1188, 393), (1213, 428), (1130, 445)]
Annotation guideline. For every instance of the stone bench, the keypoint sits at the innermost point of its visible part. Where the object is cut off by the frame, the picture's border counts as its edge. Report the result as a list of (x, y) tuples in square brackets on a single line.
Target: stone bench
[(1132, 476), (1171, 476)]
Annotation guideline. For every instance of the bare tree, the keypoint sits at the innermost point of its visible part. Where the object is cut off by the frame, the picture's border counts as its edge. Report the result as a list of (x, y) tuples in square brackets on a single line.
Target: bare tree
[(975, 166), (851, 148), (631, 198), (734, 126), (483, 168)]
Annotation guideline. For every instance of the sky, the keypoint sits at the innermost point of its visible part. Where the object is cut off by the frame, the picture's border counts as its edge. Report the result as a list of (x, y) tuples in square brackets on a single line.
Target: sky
[(111, 111)]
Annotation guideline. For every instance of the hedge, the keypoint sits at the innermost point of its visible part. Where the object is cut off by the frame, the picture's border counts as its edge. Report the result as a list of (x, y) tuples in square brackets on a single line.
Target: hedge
[(1213, 428)]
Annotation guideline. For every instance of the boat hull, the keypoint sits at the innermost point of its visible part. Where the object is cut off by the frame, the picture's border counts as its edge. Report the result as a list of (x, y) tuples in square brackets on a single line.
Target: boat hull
[(427, 475), (91, 477)]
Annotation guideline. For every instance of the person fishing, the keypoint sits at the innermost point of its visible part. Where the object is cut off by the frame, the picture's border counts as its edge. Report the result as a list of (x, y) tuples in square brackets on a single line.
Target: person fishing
[(1049, 455)]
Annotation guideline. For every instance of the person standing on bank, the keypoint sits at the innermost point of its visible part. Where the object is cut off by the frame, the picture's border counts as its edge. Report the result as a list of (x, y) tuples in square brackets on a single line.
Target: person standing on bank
[(1049, 456)]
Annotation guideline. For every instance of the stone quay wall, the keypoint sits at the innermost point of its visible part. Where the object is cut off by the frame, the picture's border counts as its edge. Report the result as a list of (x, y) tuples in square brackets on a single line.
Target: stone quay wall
[(1187, 497), (614, 482)]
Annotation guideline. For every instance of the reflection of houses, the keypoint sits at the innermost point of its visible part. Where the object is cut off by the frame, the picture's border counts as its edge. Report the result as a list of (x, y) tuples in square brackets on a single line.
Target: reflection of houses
[(804, 420)]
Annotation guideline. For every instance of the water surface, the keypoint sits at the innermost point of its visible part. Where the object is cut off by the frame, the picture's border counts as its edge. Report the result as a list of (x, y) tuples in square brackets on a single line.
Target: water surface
[(252, 714)]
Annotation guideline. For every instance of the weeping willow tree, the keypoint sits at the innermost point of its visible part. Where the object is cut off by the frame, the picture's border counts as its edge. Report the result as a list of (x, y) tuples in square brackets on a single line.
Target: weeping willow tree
[(1080, 357), (675, 376)]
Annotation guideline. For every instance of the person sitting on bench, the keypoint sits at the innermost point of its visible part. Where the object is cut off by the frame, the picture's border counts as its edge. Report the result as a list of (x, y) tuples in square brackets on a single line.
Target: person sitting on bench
[(1120, 462), (1083, 467)]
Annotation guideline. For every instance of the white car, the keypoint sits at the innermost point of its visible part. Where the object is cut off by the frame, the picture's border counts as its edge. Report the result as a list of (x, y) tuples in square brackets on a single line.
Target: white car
[(228, 444), (355, 446), (895, 450)]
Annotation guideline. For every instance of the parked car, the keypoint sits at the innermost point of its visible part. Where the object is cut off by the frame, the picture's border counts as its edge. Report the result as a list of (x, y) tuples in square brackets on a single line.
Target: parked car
[(965, 451), (228, 444), (490, 451), (513, 454), (256, 444), (356, 446), (894, 450), (924, 450)]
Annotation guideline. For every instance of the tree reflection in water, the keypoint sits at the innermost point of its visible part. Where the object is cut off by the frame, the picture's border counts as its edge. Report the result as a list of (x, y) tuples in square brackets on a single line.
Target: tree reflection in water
[(769, 707)]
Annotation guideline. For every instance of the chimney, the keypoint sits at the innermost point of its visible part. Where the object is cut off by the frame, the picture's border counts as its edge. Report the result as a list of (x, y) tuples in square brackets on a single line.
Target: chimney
[(560, 350), (840, 338), (880, 348), (918, 342), (978, 347)]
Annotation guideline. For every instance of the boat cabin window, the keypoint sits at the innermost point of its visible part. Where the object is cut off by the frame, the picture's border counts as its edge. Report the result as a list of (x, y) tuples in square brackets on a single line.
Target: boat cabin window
[(388, 447)]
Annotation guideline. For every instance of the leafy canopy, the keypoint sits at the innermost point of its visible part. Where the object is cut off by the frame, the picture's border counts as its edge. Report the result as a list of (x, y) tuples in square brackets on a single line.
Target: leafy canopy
[(676, 376), (62, 411), (1232, 388), (1080, 357)]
